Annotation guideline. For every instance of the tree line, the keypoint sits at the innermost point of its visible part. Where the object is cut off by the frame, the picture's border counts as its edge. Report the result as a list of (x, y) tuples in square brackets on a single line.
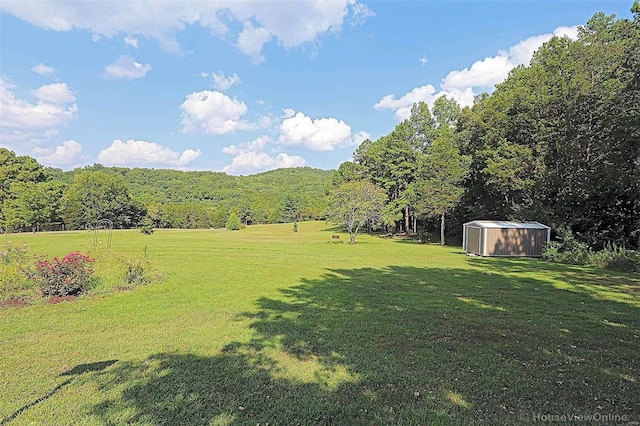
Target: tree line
[(36, 197), (558, 142)]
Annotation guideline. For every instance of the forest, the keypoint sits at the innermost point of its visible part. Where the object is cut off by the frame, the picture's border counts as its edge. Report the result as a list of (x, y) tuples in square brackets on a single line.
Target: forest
[(558, 142)]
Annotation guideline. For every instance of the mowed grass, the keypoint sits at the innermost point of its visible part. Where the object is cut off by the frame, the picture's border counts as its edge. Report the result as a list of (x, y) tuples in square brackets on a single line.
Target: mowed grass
[(264, 325)]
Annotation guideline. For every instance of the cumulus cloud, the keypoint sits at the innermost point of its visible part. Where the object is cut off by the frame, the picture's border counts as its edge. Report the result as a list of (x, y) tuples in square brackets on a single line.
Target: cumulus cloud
[(212, 112), (483, 74), (249, 157), (66, 154), (224, 82), (246, 162), (251, 41), (322, 134), (134, 152), (257, 144), (292, 24), (23, 121), (494, 69), (57, 93), (43, 69), (427, 94), (125, 67)]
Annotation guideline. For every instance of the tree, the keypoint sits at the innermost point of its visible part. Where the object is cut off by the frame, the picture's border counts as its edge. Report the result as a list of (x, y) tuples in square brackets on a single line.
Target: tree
[(14, 169), (440, 188), (354, 204), (233, 222), (30, 204), (100, 195)]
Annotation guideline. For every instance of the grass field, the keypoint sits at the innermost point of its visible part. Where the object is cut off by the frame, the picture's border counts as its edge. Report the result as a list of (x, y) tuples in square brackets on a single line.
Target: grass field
[(266, 326)]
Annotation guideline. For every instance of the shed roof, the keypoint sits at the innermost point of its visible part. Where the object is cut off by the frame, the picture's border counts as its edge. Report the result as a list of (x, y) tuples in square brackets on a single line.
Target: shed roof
[(503, 224)]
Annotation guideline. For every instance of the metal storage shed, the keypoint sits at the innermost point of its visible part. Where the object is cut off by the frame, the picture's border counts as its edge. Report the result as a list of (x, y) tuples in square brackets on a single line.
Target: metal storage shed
[(502, 238)]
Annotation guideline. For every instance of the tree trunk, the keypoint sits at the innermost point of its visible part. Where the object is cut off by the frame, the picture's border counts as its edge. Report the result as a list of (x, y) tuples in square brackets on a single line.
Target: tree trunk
[(406, 220), (442, 229), (352, 238), (415, 224)]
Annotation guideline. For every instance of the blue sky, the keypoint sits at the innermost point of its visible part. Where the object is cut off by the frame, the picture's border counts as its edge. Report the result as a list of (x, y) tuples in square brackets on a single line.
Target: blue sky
[(244, 87)]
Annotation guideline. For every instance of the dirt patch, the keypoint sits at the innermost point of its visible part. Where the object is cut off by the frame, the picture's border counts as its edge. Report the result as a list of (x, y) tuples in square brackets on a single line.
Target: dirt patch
[(17, 302), (53, 300)]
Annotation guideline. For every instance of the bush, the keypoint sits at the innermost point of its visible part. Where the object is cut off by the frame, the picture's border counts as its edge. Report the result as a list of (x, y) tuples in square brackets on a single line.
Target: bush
[(147, 226), (233, 223), (68, 276), (573, 252), (13, 266)]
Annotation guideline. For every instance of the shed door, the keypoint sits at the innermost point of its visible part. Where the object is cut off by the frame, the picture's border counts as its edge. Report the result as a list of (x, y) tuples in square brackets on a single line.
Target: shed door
[(473, 240)]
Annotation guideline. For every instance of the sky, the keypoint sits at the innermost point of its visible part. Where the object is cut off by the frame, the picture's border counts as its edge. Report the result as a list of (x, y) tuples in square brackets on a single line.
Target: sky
[(244, 87)]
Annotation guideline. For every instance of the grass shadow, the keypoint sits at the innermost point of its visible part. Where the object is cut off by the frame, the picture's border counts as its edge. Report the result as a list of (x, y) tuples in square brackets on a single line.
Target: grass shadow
[(400, 345), (77, 370)]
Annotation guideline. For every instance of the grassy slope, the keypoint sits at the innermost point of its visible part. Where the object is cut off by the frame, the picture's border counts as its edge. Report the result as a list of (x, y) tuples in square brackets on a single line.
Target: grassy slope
[(264, 325)]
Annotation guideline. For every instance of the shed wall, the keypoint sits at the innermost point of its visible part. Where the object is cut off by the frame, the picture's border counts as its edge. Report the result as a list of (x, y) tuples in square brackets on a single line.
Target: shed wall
[(515, 242)]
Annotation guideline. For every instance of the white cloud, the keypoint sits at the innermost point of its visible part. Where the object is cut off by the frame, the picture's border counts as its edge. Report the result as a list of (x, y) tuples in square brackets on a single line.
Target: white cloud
[(23, 121), (134, 152), (423, 60), (483, 74), (251, 41), (63, 155), (246, 162), (57, 93), (427, 94), (288, 113), (257, 144), (292, 24), (359, 137), (494, 69), (131, 41), (322, 134), (223, 82), (43, 69), (126, 67), (212, 112)]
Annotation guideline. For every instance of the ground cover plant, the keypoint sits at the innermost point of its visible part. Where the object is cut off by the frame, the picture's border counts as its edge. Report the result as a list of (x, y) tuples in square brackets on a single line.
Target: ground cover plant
[(264, 325)]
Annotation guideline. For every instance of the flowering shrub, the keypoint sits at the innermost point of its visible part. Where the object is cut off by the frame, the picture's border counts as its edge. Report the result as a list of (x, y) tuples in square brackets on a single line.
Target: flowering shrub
[(68, 276)]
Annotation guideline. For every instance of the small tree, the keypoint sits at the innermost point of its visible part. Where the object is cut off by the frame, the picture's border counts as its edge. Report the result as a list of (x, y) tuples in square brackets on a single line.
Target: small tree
[(233, 223), (442, 173), (353, 204)]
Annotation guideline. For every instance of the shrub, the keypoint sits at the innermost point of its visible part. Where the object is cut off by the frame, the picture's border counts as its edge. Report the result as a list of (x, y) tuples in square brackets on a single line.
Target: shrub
[(147, 226), (13, 266), (68, 276), (233, 223), (571, 251)]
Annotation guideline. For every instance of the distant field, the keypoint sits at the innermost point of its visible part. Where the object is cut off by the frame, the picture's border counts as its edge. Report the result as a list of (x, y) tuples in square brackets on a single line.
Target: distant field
[(264, 325)]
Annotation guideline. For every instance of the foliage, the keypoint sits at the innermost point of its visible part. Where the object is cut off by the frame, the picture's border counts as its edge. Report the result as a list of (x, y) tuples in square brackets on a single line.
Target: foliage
[(355, 204), (100, 195), (14, 262), (557, 140), (68, 276), (27, 195), (233, 222), (570, 251), (146, 227)]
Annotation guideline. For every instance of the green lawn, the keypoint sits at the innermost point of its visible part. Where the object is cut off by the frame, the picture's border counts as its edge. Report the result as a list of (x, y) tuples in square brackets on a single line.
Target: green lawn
[(264, 325)]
